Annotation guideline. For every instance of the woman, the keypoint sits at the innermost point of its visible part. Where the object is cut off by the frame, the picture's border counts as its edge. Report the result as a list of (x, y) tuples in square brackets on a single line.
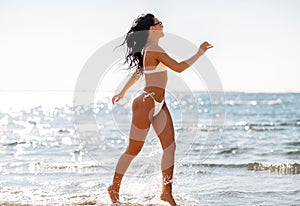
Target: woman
[(149, 59)]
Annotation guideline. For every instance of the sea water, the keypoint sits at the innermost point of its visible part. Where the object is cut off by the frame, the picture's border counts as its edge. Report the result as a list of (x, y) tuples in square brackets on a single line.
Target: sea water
[(55, 153)]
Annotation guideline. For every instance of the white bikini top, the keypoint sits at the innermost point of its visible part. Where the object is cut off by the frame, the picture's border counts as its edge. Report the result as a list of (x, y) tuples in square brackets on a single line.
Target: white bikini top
[(159, 68)]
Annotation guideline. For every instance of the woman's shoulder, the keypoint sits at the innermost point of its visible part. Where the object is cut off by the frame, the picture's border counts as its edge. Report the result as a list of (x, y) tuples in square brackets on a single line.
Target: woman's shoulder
[(155, 50)]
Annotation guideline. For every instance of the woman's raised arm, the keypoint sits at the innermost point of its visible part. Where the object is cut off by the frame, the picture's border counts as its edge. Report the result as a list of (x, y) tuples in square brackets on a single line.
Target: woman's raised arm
[(164, 58)]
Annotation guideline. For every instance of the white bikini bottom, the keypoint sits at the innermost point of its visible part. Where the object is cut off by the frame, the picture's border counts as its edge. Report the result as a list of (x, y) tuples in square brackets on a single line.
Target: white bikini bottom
[(157, 105)]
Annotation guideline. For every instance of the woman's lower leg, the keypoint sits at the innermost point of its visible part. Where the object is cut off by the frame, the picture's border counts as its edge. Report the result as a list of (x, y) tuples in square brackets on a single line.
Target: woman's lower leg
[(167, 173), (122, 166)]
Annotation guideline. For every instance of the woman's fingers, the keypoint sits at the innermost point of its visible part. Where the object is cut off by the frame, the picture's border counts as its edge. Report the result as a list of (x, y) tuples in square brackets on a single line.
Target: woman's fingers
[(116, 99), (205, 46), (210, 46)]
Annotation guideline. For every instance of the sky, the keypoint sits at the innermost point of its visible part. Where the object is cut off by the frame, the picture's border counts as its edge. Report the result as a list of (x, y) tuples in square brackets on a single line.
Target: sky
[(45, 44)]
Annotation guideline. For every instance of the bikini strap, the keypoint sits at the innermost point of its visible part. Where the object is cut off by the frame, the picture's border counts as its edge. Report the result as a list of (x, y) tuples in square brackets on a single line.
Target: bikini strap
[(144, 49), (148, 94), (143, 53)]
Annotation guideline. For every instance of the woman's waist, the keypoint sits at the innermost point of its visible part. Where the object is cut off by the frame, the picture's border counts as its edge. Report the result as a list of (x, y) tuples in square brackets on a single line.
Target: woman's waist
[(158, 92), (156, 80)]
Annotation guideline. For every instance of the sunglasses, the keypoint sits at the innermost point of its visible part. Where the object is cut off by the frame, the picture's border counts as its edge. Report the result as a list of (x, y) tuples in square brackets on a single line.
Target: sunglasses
[(158, 23)]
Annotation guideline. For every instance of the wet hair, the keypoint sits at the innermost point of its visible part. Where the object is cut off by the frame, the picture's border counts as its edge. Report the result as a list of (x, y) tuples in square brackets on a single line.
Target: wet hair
[(135, 41)]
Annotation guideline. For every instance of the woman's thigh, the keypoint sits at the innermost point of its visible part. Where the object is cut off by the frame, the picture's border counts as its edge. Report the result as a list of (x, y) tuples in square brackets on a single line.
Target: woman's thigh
[(164, 128), (142, 112)]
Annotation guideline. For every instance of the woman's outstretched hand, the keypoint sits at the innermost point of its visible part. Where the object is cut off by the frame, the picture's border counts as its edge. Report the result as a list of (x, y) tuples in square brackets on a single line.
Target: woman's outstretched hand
[(116, 98), (205, 46)]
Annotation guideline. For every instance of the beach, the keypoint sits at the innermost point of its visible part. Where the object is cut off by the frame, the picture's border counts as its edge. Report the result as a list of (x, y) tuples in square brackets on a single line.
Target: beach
[(47, 158)]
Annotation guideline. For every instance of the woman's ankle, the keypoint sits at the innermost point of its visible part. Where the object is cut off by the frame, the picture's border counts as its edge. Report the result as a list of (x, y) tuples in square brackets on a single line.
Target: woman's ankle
[(113, 194), (115, 186)]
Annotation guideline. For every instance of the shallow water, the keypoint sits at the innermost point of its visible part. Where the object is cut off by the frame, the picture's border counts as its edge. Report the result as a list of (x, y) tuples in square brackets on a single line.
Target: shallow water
[(49, 156)]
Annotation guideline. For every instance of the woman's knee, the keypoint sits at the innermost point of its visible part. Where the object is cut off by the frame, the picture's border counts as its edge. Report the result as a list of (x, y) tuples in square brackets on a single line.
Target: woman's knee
[(133, 152), (134, 149), (170, 148)]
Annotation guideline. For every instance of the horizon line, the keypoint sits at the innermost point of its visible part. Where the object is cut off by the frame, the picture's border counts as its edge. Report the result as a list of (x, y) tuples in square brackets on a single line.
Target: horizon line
[(109, 91)]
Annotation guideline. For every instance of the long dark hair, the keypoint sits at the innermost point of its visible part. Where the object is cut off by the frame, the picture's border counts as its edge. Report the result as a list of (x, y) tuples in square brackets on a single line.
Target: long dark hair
[(136, 39)]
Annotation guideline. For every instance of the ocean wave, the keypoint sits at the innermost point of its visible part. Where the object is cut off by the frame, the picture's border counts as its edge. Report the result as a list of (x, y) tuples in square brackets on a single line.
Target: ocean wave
[(263, 129), (293, 143), (15, 143), (229, 151), (255, 102), (212, 165), (267, 126), (283, 168), (42, 196), (208, 128), (63, 165), (296, 153)]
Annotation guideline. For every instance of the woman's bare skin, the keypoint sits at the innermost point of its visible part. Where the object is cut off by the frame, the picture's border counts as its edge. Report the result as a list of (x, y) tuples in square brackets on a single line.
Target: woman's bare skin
[(143, 112)]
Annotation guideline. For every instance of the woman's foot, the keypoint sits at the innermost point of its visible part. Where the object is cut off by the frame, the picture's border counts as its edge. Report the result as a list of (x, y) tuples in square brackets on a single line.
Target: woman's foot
[(113, 194), (168, 197)]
